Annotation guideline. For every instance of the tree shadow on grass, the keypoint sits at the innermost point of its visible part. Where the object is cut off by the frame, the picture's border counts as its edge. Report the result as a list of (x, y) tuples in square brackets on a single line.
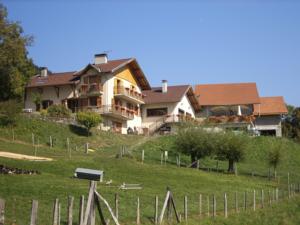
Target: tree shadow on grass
[(81, 131)]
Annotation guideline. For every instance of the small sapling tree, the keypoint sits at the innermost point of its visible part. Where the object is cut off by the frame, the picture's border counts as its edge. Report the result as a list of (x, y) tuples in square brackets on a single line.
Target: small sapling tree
[(275, 155), (88, 119)]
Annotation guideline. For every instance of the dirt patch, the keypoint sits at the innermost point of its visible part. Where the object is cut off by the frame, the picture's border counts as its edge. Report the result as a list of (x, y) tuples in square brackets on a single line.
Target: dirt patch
[(23, 157)]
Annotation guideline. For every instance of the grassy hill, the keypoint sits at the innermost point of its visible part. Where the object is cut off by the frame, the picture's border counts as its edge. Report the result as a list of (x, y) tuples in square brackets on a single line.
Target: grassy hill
[(56, 179)]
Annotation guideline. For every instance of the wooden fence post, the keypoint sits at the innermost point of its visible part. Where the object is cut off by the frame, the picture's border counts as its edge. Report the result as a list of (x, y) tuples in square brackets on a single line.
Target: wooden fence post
[(138, 218), (185, 209), (156, 210), (13, 135), (117, 206), (277, 194), (225, 206), (143, 156), (81, 209), (86, 148), (200, 205), (214, 206), (208, 206), (34, 211), (269, 195), (245, 200), (2, 211), (161, 158), (55, 212), (50, 142), (70, 210), (236, 202), (262, 199), (273, 195), (254, 200)]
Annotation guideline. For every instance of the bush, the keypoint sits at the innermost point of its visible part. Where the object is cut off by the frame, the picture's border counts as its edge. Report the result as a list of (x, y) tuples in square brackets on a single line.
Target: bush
[(88, 120), (9, 112), (43, 112), (275, 153), (58, 111)]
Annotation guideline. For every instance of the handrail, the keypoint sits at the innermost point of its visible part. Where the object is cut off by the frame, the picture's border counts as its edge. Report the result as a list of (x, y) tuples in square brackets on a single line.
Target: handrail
[(121, 90)]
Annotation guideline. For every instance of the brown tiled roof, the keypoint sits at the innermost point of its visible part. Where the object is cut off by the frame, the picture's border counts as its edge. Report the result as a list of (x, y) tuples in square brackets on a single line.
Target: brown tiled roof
[(271, 106), (112, 64), (227, 94), (52, 79), (173, 94)]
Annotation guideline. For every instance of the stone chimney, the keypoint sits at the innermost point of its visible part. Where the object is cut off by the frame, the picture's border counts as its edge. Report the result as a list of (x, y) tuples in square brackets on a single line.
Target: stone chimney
[(100, 58), (164, 86), (44, 72)]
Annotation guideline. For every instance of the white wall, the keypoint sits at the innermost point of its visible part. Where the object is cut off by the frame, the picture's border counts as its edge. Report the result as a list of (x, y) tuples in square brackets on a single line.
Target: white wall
[(185, 105), (269, 123), (48, 93)]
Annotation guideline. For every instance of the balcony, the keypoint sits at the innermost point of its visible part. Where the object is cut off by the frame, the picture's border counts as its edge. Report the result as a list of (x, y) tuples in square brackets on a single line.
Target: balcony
[(114, 111), (94, 89), (129, 95)]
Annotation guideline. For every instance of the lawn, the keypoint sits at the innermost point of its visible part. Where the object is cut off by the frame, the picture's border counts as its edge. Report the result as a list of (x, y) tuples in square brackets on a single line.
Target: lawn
[(55, 180)]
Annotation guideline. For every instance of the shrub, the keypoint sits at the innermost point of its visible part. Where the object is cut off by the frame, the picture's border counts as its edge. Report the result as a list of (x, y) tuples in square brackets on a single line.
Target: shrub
[(43, 112), (58, 111), (274, 153), (9, 112), (88, 120)]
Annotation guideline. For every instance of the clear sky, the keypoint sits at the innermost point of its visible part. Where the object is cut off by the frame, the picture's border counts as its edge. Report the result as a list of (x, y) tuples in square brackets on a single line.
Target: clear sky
[(185, 42)]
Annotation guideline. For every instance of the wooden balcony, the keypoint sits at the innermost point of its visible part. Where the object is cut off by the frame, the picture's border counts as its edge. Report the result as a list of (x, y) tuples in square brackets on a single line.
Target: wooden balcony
[(129, 95), (94, 89), (114, 111)]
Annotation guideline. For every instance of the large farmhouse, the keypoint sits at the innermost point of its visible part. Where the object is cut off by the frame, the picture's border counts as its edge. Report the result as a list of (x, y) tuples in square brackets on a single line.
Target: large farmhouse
[(120, 92)]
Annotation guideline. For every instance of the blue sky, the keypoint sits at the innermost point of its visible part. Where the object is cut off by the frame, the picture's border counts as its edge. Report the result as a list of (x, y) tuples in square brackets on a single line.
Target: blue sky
[(185, 42)]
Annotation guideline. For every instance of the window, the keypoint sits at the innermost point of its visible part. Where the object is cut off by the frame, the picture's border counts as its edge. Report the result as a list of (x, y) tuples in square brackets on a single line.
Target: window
[(180, 112), (93, 101), (157, 112)]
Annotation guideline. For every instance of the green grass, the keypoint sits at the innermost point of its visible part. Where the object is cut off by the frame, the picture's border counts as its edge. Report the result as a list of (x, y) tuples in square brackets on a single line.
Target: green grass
[(55, 180)]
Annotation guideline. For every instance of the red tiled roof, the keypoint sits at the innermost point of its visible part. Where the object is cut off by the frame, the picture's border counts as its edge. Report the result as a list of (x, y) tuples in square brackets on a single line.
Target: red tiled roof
[(52, 79), (227, 94), (173, 94), (271, 106)]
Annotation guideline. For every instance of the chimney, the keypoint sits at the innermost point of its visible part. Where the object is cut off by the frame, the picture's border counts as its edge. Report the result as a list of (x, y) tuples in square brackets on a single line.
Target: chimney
[(44, 72), (100, 58), (164, 86)]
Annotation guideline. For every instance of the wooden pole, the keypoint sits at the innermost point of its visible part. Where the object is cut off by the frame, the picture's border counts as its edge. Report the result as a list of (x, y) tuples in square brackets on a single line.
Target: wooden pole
[(277, 194), (13, 135), (70, 210), (161, 158), (225, 206), (87, 148), (143, 156), (200, 205), (50, 142), (269, 194), (208, 206), (214, 206), (289, 190), (254, 200), (81, 209), (2, 211), (138, 219), (245, 200), (262, 199), (185, 209), (55, 212), (156, 210), (179, 160), (117, 206), (236, 202), (161, 217), (34, 211), (59, 209)]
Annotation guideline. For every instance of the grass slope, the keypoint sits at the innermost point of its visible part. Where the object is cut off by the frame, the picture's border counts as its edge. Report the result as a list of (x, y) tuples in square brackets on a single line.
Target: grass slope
[(56, 177)]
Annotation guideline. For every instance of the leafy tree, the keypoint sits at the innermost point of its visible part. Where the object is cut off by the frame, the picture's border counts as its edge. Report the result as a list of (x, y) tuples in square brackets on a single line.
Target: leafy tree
[(37, 100), (291, 125), (88, 119), (15, 65), (9, 112), (275, 155), (231, 147), (195, 142)]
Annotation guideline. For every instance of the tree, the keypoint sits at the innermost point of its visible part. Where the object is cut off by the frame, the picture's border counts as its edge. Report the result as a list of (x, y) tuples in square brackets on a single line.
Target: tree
[(275, 155), (231, 147), (15, 65), (195, 142), (88, 119), (291, 125), (37, 100), (9, 112)]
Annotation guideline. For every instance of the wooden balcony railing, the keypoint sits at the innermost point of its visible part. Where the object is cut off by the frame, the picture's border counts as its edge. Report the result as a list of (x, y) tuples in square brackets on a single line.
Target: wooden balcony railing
[(121, 90), (91, 89)]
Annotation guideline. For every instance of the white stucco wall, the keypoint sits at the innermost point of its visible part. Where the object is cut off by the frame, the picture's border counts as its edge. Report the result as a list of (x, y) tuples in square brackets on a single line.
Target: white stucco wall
[(48, 93), (269, 123), (185, 105)]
